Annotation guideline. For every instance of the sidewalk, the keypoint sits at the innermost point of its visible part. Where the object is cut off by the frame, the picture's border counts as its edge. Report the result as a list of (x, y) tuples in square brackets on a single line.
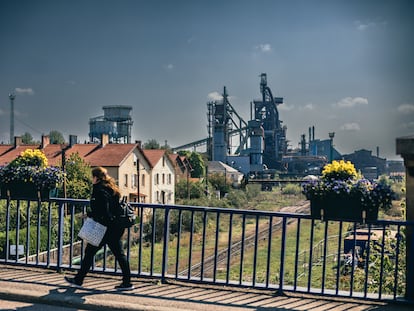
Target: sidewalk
[(48, 287)]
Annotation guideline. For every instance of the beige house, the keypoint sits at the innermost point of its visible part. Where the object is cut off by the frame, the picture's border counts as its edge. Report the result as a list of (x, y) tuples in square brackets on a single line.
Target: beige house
[(151, 173), (162, 176)]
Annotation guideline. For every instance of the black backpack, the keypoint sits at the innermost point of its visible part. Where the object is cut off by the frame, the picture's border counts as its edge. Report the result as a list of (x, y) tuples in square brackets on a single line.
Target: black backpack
[(126, 216)]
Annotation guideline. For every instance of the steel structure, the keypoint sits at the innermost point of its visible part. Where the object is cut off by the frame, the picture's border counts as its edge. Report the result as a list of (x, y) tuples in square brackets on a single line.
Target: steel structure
[(223, 123), (265, 111), (116, 123), (262, 139)]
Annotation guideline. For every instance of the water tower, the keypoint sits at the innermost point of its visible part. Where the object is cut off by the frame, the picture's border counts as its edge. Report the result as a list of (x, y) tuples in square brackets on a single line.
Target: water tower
[(116, 123)]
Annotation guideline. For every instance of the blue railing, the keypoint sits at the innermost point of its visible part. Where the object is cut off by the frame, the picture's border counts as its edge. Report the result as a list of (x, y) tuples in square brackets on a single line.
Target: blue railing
[(258, 249)]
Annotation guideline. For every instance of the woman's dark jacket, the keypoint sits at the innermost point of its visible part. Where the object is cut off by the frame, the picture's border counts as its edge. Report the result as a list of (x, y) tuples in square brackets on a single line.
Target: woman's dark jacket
[(103, 200)]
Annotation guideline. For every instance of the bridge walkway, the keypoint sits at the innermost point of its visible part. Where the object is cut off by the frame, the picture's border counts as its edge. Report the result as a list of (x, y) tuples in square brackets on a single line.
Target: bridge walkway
[(37, 285)]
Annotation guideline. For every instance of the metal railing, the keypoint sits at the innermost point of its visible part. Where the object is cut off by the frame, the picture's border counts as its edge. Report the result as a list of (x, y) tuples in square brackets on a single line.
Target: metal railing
[(257, 249)]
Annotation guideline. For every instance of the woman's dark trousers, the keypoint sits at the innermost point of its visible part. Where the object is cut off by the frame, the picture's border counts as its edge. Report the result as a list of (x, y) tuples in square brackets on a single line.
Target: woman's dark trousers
[(112, 237)]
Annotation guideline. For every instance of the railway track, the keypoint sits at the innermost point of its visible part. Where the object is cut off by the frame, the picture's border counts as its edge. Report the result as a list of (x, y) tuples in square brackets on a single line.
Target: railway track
[(212, 262)]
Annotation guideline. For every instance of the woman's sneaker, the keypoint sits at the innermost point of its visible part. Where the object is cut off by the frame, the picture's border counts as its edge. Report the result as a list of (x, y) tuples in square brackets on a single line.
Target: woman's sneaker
[(123, 286), (73, 282)]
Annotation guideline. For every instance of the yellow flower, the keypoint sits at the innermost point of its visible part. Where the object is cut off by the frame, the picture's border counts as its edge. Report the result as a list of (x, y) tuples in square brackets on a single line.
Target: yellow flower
[(341, 170), (33, 157)]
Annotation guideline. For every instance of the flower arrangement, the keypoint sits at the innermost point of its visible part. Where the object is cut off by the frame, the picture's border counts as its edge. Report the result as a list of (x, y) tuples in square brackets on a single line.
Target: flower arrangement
[(340, 181), (30, 167)]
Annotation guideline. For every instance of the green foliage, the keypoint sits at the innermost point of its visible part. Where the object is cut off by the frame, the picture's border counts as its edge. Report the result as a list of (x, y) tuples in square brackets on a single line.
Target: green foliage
[(197, 164), (291, 189), (27, 138), (56, 137), (196, 161), (185, 188), (237, 199), (219, 182), (150, 228), (389, 261), (252, 191), (151, 144), (78, 181)]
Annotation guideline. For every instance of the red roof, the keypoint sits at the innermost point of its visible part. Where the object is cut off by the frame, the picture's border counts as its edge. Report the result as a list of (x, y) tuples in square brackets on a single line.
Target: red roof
[(110, 155), (14, 153), (154, 156), (93, 154)]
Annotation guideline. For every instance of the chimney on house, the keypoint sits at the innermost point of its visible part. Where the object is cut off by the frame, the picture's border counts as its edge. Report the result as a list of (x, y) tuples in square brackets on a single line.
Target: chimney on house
[(138, 142), (104, 140), (73, 140), (45, 141), (17, 141)]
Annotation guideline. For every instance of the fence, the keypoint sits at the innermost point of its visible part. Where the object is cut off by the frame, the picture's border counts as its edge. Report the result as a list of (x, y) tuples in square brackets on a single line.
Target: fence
[(257, 249)]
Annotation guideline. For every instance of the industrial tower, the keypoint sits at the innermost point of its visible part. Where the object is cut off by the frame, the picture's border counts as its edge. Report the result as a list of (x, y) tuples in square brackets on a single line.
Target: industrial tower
[(265, 111), (262, 139), (116, 123)]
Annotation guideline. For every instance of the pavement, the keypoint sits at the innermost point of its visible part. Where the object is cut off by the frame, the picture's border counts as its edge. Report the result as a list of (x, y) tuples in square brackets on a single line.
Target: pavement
[(45, 286)]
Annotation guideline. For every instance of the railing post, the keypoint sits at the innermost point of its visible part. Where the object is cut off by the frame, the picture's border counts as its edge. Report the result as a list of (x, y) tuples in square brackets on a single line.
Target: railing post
[(405, 147), (165, 245), (61, 223)]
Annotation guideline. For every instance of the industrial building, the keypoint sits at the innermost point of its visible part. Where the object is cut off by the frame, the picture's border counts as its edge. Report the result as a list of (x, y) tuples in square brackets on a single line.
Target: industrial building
[(116, 123)]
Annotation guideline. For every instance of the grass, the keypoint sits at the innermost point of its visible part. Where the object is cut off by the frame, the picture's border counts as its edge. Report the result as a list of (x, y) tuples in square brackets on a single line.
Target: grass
[(254, 269)]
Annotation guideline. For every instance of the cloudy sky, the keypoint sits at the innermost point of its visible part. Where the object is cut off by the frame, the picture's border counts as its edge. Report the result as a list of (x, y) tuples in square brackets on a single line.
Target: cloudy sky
[(341, 66)]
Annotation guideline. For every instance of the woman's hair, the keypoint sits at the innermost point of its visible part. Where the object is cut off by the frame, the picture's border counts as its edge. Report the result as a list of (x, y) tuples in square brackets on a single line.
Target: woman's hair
[(102, 175)]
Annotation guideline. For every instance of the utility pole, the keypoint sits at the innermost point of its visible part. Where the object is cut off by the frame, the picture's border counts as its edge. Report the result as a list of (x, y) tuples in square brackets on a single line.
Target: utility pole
[(12, 96)]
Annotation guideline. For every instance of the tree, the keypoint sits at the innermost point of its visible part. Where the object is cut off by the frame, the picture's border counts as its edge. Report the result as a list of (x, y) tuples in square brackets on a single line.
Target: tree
[(220, 183), (27, 139), (151, 144), (56, 137), (78, 177), (196, 162)]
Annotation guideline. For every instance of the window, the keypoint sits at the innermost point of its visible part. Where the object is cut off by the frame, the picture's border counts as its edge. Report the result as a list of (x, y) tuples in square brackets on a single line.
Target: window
[(157, 196), (126, 180), (143, 180), (163, 161), (169, 179), (157, 179), (163, 179), (134, 178)]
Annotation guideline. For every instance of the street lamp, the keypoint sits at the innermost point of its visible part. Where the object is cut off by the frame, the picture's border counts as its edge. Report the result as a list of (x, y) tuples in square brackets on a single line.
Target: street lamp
[(331, 136)]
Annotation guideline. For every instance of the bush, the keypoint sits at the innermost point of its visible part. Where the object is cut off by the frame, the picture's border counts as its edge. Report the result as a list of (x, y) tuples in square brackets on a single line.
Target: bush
[(292, 189)]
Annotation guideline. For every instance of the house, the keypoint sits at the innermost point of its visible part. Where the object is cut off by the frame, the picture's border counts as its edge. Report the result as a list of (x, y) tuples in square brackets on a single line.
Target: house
[(162, 176), (134, 170), (182, 166), (218, 167)]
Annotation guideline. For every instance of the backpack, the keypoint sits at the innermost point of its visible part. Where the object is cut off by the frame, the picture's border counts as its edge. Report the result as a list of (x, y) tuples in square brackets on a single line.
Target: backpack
[(125, 216)]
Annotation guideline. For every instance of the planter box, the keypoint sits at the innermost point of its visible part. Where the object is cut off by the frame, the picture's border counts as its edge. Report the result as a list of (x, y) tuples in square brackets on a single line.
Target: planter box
[(342, 208), (24, 191)]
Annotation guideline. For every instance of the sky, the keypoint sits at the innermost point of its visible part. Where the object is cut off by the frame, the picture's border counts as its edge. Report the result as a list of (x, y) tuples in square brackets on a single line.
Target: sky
[(343, 66)]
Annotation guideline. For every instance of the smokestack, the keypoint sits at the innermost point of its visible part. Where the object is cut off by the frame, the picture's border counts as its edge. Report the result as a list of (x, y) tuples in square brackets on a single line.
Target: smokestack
[(310, 134), (313, 132), (377, 151)]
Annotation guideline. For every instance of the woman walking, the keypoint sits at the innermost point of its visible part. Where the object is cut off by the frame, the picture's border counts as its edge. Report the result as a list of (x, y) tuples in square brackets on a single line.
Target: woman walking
[(104, 193)]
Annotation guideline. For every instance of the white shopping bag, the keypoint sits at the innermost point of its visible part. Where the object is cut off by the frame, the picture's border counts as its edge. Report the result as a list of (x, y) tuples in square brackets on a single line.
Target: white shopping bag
[(92, 232)]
